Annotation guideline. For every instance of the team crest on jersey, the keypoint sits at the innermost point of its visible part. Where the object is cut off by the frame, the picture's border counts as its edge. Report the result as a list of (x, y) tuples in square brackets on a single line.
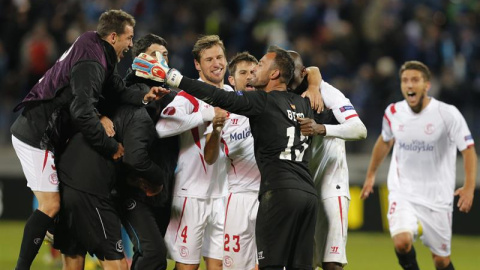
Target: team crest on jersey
[(429, 129), (53, 179), (119, 246), (346, 108), (37, 241), (184, 251), (169, 111), (130, 204), (227, 261), (293, 106)]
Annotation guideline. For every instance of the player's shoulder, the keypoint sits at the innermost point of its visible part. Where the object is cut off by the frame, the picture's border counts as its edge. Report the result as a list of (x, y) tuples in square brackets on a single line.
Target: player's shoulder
[(396, 107), (446, 111), (443, 106)]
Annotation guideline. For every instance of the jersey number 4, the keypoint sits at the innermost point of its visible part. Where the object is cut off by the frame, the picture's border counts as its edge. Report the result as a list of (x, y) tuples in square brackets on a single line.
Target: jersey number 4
[(299, 151)]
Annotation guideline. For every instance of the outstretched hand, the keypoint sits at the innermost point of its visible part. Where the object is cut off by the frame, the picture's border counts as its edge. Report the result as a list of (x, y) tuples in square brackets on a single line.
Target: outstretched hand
[(148, 67), (156, 69), (155, 93)]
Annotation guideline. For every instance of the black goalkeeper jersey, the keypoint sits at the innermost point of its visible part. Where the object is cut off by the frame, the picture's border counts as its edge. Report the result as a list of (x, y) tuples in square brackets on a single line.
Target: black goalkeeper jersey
[(281, 152)]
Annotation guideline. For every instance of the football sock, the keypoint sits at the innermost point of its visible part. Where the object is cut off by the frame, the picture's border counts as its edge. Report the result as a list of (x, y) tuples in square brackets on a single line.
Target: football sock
[(408, 261), (449, 267), (33, 235)]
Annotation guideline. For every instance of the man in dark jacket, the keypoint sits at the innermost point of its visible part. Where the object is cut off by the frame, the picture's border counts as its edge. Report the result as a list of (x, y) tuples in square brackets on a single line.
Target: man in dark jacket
[(148, 163), (70, 89)]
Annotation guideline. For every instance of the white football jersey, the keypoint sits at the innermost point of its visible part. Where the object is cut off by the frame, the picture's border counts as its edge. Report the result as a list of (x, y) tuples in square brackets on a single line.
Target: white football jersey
[(329, 161), (237, 145), (237, 140), (193, 176), (422, 169)]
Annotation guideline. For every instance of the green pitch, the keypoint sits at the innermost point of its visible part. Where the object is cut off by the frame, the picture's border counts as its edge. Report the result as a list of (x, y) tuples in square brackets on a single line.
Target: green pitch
[(370, 251)]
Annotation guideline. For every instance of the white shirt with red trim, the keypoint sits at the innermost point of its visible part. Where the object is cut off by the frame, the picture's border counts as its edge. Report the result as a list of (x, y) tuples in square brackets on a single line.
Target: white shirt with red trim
[(422, 169), (193, 176), (237, 144), (329, 162)]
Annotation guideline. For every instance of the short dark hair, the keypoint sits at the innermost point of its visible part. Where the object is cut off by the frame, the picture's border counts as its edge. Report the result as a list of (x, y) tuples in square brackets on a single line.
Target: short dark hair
[(284, 62), (416, 65), (206, 42), (240, 57), (114, 20), (141, 45)]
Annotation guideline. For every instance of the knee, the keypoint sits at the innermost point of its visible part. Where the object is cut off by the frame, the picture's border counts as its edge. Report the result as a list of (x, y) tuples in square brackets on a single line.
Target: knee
[(440, 262), (402, 244), (332, 266), (50, 207)]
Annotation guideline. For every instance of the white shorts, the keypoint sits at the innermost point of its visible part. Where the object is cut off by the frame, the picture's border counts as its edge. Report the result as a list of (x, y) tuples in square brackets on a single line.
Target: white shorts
[(404, 216), (195, 229), (331, 231), (240, 249), (38, 166)]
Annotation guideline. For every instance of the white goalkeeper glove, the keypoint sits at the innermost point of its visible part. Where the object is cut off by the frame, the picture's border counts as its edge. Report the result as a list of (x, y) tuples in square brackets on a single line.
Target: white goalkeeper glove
[(148, 67)]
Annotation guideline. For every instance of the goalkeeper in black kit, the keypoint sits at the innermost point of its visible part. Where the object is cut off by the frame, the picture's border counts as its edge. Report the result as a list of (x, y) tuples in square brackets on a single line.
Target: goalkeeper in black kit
[(288, 200)]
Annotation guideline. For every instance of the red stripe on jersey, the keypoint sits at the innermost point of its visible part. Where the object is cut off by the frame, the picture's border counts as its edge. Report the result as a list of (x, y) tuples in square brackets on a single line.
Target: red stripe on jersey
[(196, 105), (226, 209), (392, 109), (351, 116), (181, 217), (45, 160), (190, 98), (470, 145), (203, 162), (341, 213), (226, 153), (388, 120)]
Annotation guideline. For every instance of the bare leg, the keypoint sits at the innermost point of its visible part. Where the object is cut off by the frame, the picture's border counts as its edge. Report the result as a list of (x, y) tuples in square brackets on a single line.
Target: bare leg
[(76, 262), (114, 264), (213, 264)]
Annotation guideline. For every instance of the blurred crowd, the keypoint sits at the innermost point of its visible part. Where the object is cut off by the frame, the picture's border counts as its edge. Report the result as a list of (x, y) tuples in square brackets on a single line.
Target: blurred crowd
[(357, 44)]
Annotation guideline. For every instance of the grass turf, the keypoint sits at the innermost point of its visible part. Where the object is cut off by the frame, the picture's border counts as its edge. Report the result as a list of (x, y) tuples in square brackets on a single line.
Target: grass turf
[(370, 251)]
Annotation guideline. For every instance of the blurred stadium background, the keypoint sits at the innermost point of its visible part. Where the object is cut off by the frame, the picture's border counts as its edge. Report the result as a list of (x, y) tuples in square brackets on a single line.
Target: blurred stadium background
[(357, 44)]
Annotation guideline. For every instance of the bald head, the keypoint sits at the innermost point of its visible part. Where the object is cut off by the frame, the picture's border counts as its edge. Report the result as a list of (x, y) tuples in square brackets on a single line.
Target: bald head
[(299, 73)]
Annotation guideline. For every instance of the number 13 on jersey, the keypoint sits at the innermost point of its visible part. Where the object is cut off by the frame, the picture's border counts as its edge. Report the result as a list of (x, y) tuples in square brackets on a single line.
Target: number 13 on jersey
[(299, 151)]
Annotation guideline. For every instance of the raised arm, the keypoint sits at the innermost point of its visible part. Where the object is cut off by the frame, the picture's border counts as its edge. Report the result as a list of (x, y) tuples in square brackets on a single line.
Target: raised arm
[(244, 103), (380, 151), (314, 78), (182, 114), (213, 140)]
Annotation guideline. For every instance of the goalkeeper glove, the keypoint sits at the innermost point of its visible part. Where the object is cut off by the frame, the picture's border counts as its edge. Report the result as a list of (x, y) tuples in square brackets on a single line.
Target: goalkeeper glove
[(148, 67)]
